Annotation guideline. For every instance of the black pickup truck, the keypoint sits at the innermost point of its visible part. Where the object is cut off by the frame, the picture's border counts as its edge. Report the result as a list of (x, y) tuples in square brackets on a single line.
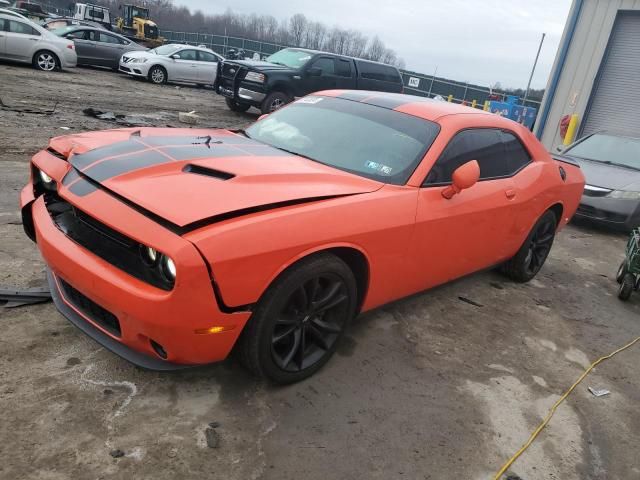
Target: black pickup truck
[(295, 72)]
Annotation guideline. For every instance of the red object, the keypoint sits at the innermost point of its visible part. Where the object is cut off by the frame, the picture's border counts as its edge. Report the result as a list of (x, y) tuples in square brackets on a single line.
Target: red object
[(564, 125), (411, 237)]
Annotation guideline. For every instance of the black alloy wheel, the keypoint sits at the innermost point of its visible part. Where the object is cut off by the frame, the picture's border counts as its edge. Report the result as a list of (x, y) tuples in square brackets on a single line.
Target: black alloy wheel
[(297, 324), (310, 322), (528, 261)]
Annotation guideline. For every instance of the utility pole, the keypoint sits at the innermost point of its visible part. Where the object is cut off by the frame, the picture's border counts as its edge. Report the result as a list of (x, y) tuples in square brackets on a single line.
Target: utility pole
[(535, 62)]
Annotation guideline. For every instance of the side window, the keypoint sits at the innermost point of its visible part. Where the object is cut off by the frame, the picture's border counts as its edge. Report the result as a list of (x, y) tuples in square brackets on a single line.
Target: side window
[(483, 145), (343, 68), (326, 65), (188, 55), (23, 28), (78, 35), (517, 156), (206, 56), (4, 25), (106, 38), (378, 71)]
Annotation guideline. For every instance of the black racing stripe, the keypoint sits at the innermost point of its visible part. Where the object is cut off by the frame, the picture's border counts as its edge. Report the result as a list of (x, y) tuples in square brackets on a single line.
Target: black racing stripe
[(71, 176), (83, 160), (82, 187), (202, 151), (118, 166), (355, 96), (387, 102)]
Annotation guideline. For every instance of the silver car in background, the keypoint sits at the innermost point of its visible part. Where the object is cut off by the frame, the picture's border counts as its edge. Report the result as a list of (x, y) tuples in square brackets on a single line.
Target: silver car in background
[(98, 47), (173, 63), (611, 166), (22, 40)]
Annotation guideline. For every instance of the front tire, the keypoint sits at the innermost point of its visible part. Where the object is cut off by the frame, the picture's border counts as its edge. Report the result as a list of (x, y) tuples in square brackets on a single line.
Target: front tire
[(626, 286), (299, 321), (46, 61), (622, 270), (157, 75), (528, 261), (274, 101), (237, 107)]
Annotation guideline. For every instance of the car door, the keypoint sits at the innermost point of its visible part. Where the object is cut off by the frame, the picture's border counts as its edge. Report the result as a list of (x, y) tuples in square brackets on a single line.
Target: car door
[(185, 66), (4, 26), (207, 67), (83, 45), (20, 40), (321, 74), (474, 229), (110, 48)]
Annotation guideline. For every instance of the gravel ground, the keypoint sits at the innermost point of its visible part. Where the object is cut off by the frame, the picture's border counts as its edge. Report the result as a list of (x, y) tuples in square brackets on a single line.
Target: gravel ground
[(430, 387)]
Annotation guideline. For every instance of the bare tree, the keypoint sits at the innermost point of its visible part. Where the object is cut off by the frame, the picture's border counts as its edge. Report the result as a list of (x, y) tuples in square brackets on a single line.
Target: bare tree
[(376, 49), (297, 28)]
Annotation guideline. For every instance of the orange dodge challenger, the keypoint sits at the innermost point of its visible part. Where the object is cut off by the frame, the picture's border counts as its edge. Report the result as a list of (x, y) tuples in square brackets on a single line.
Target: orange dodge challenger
[(171, 246)]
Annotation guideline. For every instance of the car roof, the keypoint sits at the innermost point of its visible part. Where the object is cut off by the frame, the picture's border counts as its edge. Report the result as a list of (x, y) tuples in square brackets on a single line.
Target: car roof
[(194, 47), (423, 107), (6, 11), (321, 52)]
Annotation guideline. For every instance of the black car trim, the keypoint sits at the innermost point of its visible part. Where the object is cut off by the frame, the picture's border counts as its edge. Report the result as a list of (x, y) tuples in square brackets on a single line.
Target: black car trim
[(567, 160)]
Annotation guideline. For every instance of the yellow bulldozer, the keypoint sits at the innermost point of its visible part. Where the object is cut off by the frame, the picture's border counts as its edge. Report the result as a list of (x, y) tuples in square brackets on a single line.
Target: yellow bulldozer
[(136, 25)]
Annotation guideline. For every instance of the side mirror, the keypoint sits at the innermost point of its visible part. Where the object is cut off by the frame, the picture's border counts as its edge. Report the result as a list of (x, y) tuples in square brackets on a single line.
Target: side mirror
[(262, 117), (465, 176), (175, 56), (314, 72)]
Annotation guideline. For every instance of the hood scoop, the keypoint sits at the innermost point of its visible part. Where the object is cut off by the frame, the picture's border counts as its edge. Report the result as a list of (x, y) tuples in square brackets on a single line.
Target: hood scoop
[(207, 172)]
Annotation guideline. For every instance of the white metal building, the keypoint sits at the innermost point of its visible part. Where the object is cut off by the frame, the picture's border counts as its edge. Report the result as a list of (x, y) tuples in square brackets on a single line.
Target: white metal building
[(596, 73)]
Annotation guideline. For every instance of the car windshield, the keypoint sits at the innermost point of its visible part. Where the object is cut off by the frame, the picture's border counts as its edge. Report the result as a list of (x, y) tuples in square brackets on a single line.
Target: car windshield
[(615, 150), (290, 57), (140, 12), (366, 140), (166, 49)]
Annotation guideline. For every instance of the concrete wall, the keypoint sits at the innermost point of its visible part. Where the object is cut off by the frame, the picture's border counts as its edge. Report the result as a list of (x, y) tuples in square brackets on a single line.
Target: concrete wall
[(580, 68)]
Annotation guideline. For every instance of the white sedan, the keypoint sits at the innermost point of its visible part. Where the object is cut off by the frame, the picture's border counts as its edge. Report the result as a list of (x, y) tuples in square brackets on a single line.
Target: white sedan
[(173, 63), (22, 40)]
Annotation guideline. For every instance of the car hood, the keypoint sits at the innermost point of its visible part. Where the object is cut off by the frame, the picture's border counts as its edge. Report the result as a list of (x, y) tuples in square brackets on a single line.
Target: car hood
[(259, 65), (142, 53), (608, 176), (187, 176)]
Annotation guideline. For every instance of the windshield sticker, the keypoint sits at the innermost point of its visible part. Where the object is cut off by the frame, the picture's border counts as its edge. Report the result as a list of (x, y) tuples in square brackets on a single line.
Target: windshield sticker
[(383, 169), (311, 100)]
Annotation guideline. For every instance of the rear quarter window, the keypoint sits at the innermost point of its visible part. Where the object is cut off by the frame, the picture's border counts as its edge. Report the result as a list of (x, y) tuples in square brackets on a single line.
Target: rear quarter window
[(377, 71)]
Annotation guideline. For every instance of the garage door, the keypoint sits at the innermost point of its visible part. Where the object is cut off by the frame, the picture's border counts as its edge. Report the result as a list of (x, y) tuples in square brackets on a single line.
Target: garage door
[(615, 102)]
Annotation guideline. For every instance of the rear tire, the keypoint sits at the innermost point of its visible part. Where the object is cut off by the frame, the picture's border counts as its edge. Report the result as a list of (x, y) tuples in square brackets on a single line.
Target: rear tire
[(46, 61), (299, 320), (157, 75), (626, 286), (274, 101), (528, 261), (237, 107)]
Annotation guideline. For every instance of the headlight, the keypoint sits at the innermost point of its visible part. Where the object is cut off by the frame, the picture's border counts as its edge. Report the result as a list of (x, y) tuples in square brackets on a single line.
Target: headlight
[(168, 268), (624, 195), (140, 60), (149, 255), (255, 77), (44, 181)]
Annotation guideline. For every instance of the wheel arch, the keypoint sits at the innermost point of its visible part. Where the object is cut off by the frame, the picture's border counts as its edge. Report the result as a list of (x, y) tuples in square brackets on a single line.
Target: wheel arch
[(558, 210), (166, 71), (354, 256)]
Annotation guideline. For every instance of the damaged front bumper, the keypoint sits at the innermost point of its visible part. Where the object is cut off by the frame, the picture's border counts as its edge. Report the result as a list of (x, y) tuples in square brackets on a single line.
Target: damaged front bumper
[(148, 326)]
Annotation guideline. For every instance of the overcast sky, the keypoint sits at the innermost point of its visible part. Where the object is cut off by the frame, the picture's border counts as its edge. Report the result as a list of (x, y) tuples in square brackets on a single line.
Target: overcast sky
[(479, 41)]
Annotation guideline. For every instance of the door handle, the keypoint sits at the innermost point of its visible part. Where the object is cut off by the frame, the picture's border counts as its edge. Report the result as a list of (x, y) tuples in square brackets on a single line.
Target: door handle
[(33, 39), (510, 194)]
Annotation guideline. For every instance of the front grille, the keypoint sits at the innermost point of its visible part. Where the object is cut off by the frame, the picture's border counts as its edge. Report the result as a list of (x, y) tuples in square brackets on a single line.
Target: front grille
[(115, 248), (596, 213), (232, 73), (91, 309), (150, 31)]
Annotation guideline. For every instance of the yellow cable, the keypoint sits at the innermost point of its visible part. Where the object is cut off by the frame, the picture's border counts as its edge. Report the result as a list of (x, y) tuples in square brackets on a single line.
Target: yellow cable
[(535, 433)]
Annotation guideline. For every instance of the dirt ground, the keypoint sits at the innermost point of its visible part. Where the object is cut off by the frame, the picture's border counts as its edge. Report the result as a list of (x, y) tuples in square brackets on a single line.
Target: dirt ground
[(431, 387)]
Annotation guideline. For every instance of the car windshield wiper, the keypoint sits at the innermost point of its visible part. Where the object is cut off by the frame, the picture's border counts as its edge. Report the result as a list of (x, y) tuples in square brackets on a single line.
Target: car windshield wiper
[(279, 63), (241, 132)]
